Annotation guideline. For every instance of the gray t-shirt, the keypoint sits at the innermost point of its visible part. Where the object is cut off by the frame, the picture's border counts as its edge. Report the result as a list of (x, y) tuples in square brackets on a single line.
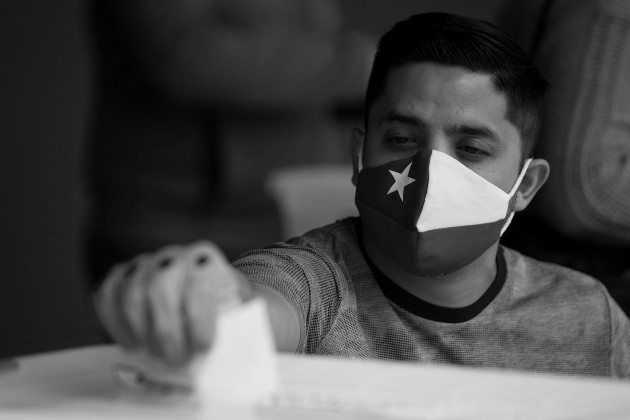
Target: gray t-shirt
[(536, 316)]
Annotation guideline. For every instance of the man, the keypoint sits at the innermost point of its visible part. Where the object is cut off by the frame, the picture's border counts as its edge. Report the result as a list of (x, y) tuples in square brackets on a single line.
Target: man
[(444, 161)]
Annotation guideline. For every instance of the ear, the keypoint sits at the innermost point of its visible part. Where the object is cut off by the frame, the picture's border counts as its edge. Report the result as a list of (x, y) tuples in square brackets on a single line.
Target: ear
[(358, 138), (535, 177)]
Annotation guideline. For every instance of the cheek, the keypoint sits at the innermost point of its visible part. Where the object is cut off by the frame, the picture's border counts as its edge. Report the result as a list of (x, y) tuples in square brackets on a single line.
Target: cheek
[(496, 171), (503, 176), (503, 170)]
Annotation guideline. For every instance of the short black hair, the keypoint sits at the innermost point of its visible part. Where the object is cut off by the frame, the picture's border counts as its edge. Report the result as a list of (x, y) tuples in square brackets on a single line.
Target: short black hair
[(476, 45)]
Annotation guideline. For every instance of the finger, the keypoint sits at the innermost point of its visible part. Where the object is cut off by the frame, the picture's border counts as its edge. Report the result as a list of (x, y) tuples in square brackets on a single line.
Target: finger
[(133, 302), (164, 285), (210, 288), (200, 313), (109, 308), (207, 263)]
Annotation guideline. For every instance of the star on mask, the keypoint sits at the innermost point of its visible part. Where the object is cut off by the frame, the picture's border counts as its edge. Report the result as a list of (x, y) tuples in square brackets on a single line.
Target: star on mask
[(401, 180)]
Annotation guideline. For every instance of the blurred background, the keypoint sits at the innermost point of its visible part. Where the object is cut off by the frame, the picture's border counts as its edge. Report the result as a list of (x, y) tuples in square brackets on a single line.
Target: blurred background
[(47, 96)]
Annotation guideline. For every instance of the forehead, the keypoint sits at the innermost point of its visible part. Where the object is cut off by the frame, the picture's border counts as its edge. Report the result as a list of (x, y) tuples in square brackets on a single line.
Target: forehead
[(442, 95)]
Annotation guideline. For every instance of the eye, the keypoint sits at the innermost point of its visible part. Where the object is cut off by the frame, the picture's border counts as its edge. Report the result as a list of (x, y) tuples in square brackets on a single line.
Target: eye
[(473, 151), (401, 141)]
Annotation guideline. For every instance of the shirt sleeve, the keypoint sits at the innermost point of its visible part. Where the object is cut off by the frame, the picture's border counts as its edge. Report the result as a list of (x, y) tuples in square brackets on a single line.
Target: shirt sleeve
[(619, 341), (306, 278)]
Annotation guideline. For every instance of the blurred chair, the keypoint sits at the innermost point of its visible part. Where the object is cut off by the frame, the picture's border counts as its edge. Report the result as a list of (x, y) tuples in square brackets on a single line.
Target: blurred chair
[(312, 196)]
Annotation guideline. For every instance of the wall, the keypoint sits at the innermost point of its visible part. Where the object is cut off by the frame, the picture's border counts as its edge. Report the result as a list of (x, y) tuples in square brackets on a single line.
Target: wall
[(44, 93)]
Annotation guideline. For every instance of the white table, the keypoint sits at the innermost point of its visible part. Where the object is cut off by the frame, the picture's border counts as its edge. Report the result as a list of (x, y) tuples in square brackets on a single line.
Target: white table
[(77, 384)]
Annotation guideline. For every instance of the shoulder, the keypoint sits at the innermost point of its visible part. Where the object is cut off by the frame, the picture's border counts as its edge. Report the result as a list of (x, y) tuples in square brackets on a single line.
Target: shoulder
[(573, 305), (532, 275), (332, 238), (323, 248), (557, 291)]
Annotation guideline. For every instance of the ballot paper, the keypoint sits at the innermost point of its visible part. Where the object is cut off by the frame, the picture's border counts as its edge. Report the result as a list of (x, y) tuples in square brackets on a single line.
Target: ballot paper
[(240, 368)]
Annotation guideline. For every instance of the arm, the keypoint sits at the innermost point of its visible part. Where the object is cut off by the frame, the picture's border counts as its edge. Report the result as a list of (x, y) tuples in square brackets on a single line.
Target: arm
[(284, 320), (167, 303), (619, 340), (210, 55)]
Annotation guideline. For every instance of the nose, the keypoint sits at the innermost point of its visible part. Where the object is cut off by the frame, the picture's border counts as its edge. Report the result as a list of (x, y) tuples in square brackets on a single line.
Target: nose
[(440, 142)]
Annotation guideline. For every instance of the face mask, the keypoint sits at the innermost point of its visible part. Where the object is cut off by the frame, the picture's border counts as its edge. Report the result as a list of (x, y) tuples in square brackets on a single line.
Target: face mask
[(431, 215)]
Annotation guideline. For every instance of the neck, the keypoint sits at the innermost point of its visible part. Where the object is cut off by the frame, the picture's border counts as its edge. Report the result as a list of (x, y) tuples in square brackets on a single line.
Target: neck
[(454, 290)]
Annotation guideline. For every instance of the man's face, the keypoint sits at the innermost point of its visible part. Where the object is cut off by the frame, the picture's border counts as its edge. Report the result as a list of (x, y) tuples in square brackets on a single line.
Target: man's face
[(449, 109)]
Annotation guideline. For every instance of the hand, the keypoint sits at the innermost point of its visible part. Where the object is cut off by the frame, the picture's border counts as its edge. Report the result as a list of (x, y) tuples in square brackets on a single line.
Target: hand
[(166, 303)]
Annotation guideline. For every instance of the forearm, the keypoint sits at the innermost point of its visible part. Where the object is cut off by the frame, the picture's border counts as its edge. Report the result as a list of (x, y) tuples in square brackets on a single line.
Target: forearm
[(283, 318)]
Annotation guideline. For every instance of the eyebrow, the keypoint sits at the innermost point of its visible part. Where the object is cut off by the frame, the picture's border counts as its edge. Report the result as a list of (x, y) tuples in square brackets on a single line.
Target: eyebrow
[(474, 130), (396, 117), (465, 129)]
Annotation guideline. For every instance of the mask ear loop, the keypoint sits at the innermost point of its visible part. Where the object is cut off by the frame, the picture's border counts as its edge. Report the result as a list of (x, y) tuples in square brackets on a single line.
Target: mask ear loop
[(360, 157), (513, 191)]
